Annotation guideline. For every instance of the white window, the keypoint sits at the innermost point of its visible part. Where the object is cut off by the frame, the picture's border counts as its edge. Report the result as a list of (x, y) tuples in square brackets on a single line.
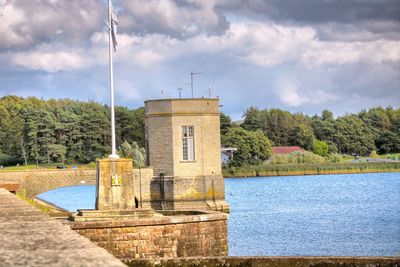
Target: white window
[(188, 143)]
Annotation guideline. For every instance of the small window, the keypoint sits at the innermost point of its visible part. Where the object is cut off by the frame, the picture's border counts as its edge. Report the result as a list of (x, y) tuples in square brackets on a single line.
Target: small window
[(188, 143)]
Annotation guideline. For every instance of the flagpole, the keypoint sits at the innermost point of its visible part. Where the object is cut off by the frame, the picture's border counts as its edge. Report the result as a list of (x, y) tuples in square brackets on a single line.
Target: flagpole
[(110, 53)]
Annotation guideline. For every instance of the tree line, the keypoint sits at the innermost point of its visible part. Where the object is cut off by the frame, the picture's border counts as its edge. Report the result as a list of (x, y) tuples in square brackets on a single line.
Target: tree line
[(37, 131), (376, 129)]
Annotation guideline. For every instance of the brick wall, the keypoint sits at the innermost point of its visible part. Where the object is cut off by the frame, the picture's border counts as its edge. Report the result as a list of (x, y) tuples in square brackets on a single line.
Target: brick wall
[(167, 236)]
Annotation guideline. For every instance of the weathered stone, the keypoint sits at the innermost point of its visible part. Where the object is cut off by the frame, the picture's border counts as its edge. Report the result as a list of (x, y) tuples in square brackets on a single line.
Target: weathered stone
[(34, 182), (115, 184), (268, 262), (185, 184), (43, 241), (168, 236)]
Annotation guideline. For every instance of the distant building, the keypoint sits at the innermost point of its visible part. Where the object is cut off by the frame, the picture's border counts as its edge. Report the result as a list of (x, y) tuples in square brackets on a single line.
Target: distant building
[(227, 154), (286, 149)]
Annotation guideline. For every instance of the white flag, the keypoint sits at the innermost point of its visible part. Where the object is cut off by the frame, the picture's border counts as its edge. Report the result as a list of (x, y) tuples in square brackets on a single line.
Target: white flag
[(113, 25)]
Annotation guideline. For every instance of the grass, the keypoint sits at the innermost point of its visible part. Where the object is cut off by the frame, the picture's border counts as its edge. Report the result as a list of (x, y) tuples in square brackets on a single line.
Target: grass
[(390, 156), (310, 169), (45, 166), (32, 202)]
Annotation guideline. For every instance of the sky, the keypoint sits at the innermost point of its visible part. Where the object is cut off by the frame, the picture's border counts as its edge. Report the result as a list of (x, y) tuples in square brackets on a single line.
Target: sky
[(302, 56)]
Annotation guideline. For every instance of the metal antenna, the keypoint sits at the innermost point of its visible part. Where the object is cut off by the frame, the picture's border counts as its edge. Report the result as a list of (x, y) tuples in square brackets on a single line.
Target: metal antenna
[(209, 91), (191, 80), (180, 92)]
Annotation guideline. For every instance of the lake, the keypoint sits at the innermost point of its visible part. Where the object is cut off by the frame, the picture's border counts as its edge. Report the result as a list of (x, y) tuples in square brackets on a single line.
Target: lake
[(332, 215)]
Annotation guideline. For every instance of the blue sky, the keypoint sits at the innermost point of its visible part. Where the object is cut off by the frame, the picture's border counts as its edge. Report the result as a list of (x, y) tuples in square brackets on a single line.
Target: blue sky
[(302, 56)]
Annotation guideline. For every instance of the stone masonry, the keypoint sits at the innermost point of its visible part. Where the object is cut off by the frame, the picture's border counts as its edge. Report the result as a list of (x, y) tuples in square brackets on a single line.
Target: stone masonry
[(186, 184), (115, 185), (168, 236), (30, 238), (34, 182)]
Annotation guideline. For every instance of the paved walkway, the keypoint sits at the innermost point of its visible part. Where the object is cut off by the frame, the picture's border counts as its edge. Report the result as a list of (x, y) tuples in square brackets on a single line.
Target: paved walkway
[(30, 238)]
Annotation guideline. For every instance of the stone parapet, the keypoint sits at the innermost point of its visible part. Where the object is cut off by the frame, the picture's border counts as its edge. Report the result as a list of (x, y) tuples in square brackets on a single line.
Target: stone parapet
[(30, 238), (277, 261), (181, 234), (34, 182)]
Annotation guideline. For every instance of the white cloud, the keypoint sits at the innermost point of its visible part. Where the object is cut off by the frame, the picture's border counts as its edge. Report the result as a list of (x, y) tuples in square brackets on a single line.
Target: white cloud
[(289, 94), (179, 19), (25, 22), (337, 53), (293, 93), (50, 61), (263, 44), (250, 59)]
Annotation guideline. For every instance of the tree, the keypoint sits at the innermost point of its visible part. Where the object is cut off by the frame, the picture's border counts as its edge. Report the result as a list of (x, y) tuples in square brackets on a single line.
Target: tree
[(138, 154), (320, 148), (327, 115), (252, 119), (252, 147), (303, 136), (225, 123), (388, 142)]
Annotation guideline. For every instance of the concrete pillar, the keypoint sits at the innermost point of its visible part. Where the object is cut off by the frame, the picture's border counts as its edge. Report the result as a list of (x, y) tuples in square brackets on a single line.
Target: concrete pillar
[(115, 185)]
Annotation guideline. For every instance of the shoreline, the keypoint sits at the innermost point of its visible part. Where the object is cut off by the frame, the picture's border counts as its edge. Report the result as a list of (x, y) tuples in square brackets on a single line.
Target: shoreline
[(309, 169), (304, 173)]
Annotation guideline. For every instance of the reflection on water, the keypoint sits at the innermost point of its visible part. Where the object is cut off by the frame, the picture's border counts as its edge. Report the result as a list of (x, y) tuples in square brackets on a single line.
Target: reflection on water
[(354, 214)]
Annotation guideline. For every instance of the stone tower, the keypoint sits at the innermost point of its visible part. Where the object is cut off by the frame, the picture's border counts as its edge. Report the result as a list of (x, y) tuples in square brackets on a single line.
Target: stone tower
[(184, 149)]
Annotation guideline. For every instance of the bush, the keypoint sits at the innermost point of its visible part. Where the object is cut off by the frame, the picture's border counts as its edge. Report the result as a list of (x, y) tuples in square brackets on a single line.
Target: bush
[(310, 168), (296, 157), (373, 154), (7, 160), (252, 147), (335, 158), (320, 148)]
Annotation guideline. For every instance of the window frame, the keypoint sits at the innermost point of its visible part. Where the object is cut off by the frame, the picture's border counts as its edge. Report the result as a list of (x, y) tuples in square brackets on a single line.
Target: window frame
[(188, 143)]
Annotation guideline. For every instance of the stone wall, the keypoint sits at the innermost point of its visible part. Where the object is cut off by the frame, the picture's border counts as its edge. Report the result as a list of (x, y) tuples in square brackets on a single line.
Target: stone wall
[(270, 262), (167, 236), (182, 184), (30, 238), (160, 193), (164, 121), (35, 182)]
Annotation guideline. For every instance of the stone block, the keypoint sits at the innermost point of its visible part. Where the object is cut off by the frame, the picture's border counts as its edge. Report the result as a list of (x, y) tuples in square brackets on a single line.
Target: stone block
[(115, 185)]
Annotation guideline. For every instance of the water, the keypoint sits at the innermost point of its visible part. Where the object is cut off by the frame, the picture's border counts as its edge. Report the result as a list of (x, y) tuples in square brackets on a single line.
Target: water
[(346, 215), (72, 198)]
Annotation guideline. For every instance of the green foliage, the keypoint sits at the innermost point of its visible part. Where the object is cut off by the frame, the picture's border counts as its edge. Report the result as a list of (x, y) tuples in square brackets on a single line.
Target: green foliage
[(320, 148), (334, 157), (138, 154), (6, 160), (281, 127), (373, 154), (225, 123), (303, 136), (39, 131), (296, 157), (252, 147), (42, 132), (311, 168), (252, 120), (375, 129)]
